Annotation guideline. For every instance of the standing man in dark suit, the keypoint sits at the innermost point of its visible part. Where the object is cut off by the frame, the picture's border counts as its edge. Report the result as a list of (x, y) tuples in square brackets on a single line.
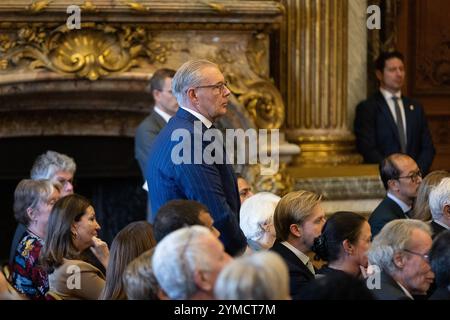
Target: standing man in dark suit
[(164, 107), (174, 173), (401, 178), (389, 122), (439, 202), (298, 219)]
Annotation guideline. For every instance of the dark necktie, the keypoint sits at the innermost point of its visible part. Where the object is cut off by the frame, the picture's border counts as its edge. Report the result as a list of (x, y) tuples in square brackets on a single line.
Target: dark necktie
[(400, 127)]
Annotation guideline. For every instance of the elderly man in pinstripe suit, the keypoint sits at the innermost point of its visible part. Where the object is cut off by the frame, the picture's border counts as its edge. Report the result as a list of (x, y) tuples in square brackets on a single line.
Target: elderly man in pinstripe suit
[(202, 95)]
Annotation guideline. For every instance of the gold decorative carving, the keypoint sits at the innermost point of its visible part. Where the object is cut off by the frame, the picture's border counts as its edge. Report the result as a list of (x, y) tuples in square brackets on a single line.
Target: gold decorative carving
[(37, 6), (136, 6), (279, 183), (218, 7), (88, 6), (265, 105), (257, 55), (94, 51)]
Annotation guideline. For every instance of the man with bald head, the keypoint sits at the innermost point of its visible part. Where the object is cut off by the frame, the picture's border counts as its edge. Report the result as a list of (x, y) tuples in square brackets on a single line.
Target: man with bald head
[(401, 178)]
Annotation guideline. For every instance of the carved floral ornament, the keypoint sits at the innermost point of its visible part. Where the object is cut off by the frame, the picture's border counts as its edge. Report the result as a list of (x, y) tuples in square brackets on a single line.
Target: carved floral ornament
[(95, 51)]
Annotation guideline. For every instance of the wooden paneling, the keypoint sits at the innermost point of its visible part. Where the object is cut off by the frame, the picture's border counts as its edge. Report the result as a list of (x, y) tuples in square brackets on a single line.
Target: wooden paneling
[(424, 37)]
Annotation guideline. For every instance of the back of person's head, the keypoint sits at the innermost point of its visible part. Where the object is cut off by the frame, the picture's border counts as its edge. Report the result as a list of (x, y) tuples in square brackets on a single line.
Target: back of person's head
[(59, 240), (389, 169), (175, 215), (421, 209), (157, 80), (439, 199), (336, 286), (440, 259), (29, 194), (48, 164), (393, 237), (294, 208), (181, 258), (256, 215), (380, 62), (139, 281), (189, 75), (339, 227), (260, 276), (129, 243)]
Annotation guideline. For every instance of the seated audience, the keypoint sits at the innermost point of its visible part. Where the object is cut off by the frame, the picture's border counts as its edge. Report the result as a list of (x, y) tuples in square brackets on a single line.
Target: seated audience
[(245, 190), (177, 214), (298, 219), (187, 262), (139, 281), (33, 201), (401, 178), (440, 206), (421, 209), (256, 220), (72, 228), (129, 243), (53, 166), (259, 276), (401, 251), (440, 264), (336, 286), (344, 243)]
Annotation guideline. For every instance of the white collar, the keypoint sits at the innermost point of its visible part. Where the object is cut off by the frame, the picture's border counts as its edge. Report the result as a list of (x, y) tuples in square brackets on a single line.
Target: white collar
[(162, 113), (405, 291), (404, 206), (303, 257), (388, 95), (199, 116), (441, 224)]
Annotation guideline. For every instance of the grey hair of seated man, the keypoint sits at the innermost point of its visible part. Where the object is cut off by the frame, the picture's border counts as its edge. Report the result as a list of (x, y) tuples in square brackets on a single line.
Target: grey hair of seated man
[(259, 276), (186, 263), (394, 237), (47, 164), (439, 198), (256, 217)]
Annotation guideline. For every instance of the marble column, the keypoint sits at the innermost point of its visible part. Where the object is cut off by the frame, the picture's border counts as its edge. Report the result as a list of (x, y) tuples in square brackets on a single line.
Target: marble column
[(314, 50)]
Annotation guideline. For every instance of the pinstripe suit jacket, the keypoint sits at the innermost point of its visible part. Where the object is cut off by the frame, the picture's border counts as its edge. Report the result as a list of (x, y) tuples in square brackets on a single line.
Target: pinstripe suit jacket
[(213, 185)]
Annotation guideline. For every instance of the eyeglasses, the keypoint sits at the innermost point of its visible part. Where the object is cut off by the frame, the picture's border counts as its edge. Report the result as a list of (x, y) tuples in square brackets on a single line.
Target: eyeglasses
[(414, 177), (426, 257), (219, 86)]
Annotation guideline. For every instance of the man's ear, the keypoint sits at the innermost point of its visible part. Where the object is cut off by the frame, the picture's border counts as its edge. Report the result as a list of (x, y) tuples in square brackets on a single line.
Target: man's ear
[(202, 281), (393, 185), (156, 94), (192, 96), (399, 260), (296, 230), (30, 213), (379, 75)]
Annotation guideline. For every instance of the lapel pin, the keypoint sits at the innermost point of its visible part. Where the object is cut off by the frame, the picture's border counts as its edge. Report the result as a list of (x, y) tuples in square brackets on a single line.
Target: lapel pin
[(411, 107)]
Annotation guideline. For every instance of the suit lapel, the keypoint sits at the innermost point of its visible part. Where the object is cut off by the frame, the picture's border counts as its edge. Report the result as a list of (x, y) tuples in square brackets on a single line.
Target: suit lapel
[(387, 114)]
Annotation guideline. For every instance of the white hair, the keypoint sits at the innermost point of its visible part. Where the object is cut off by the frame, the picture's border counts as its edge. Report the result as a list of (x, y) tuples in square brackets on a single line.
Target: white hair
[(47, 164), (177, 256), (188, 75), (255, 212), (439, 198), (259, 276), (393, 238)]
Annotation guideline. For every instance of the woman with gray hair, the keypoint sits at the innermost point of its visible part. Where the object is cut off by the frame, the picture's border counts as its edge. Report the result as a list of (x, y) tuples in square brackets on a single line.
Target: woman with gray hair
[(259, 276), (33, 201), (256, 220), (401, 251)]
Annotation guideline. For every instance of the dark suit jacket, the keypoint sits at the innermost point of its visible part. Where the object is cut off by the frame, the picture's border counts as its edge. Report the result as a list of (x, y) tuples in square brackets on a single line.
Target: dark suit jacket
[(437, 228), (386, 211), (377, 134), (145, 135), (389, 289), (299, 274), (214, 185), (441, 293)]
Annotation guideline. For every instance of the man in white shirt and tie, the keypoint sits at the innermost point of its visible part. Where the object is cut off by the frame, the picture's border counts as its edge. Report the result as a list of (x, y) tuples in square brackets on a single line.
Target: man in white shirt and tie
[(389, 122)]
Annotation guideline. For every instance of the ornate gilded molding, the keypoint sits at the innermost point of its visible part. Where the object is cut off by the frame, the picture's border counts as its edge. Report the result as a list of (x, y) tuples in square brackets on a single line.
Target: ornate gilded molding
[(94, 51)]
